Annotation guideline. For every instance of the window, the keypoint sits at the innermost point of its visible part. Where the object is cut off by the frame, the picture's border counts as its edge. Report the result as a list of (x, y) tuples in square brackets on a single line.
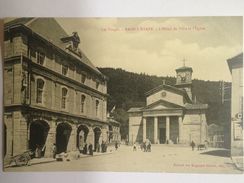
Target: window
[(39, 90), (97, 105), (24, 79), (83, 78), (64, 98), (82, 107), (97, 84), (64, 70), (40, 57)]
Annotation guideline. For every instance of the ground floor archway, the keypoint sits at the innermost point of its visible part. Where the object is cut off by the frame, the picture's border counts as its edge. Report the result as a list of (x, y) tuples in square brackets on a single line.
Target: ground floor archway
[(81, 138), (38, 135), (63, 132)]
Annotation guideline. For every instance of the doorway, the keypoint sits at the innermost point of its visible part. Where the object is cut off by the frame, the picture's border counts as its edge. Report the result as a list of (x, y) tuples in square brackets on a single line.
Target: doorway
[(62, 137), (97, 134), (82, 133), (38, 135), (162, 135)]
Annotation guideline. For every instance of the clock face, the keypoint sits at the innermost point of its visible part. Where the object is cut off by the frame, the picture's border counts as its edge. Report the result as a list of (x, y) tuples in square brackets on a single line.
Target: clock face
[(182, 76), (163, 94)]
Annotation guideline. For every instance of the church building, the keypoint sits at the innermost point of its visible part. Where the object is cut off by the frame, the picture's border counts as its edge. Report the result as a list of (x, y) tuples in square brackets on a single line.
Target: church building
[(170, 116)]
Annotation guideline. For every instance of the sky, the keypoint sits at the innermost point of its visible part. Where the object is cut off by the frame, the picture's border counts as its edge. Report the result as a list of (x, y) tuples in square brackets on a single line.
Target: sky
[(157, 46)]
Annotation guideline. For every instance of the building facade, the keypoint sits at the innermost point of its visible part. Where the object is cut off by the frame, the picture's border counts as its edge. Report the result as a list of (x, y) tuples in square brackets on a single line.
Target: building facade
[(171, 115), (114, 130), (52, 92), (236, 68), (216, 136)]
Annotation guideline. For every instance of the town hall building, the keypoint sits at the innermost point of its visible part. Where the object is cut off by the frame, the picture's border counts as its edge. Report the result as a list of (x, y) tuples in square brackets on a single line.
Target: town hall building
[(53, 94), (170, 116)]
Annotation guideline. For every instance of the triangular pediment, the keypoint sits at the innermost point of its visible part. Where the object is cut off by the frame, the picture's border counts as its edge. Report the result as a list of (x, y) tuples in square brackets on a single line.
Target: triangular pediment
[(168, 88), (162, 104)]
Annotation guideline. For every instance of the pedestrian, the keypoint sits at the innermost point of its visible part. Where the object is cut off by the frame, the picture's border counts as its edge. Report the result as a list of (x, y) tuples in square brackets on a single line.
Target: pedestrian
[(81, 146), (134, 147), (105, 147), (144, 147), (90, 149), (116, 145), (149, 147), (54, 149), (85, 149), (193, 145), (141, 146), (38, 151)]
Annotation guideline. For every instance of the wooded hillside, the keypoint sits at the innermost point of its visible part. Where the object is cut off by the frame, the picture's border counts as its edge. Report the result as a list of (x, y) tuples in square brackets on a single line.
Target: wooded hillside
[(127, 89)]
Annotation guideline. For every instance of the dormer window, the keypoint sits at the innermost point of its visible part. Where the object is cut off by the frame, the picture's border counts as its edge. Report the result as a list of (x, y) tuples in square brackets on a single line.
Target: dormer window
[(65, 70), (73, 42), (40, 57)]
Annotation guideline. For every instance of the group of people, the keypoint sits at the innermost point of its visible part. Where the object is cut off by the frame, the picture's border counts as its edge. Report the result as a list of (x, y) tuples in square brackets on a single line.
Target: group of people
[(199, 146), (84, 148), (144, 146)]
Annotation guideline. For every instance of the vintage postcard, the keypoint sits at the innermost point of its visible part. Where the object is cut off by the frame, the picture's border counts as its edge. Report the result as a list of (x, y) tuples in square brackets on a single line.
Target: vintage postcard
[(123, 94)]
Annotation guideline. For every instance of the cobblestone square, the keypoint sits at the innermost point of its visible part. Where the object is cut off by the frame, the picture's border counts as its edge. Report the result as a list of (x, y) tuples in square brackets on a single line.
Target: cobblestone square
[(163, 158)]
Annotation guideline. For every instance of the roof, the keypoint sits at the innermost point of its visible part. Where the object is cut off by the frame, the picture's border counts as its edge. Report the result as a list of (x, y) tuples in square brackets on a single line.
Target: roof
[(163, 86), (196, 106), (50, 30), (112, 120), (236, 60), (184, 68), (135, 109)]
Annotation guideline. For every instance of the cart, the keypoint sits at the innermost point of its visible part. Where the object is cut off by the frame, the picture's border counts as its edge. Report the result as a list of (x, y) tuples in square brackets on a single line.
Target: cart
[(21, 159)]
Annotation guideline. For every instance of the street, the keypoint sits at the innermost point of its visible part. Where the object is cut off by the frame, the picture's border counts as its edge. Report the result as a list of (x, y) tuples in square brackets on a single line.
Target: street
[(163, 158)]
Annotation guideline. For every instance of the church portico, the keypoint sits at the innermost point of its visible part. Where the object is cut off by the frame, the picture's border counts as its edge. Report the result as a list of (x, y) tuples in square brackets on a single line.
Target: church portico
[(162, 129), (170, 115)]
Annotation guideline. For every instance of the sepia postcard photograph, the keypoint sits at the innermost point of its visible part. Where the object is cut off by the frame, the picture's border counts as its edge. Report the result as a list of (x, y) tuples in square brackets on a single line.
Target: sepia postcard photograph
[(162, 94)]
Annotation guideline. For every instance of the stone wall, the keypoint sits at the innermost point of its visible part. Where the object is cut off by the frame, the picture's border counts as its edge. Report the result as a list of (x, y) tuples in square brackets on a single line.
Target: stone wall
[(135, 128)]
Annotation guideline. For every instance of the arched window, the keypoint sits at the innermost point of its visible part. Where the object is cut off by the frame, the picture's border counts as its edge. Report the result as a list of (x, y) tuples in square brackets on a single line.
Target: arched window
[(97, 105), (82, 107), (39, 90), (64, 98)]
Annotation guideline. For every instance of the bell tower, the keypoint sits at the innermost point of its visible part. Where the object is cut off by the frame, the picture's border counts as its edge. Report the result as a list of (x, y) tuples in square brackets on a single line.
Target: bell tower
[(184, 79)]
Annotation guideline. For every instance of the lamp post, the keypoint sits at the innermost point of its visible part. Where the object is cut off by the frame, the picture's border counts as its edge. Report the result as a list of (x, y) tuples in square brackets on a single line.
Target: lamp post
[(200, 114)]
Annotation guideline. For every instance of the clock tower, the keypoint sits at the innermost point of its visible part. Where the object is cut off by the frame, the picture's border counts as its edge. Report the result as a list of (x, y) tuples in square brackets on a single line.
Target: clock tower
[(184, 79)]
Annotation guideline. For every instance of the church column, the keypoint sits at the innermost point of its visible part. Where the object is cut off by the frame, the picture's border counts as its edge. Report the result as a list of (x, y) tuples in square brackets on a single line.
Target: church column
[(144, 129), (155, 130), (167, 129), (180, 129)]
